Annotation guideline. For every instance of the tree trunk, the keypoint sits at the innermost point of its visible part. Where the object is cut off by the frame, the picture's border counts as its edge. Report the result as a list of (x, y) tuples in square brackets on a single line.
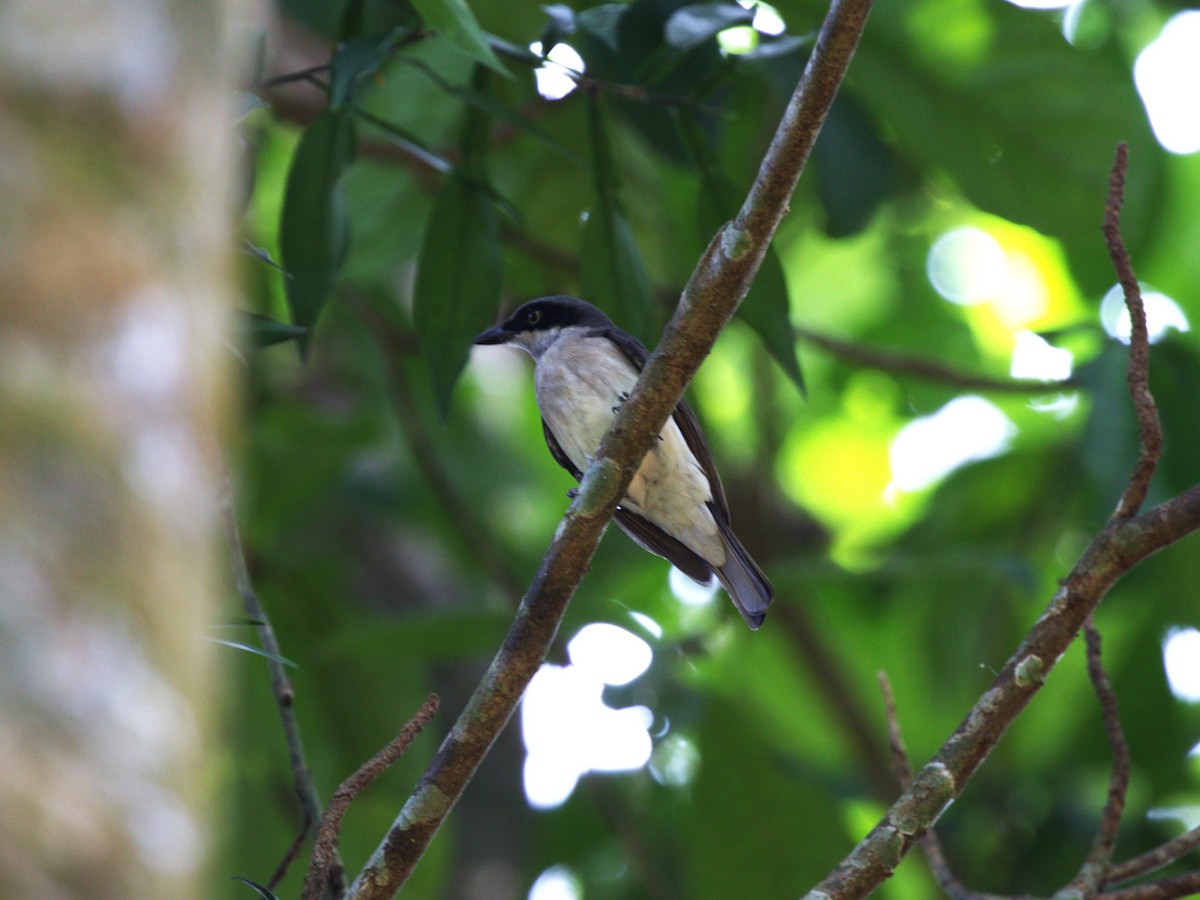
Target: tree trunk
[(116, 124)]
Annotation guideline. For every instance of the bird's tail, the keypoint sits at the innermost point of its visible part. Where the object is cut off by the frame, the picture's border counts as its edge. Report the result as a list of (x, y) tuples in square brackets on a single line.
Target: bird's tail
[(743, 580)]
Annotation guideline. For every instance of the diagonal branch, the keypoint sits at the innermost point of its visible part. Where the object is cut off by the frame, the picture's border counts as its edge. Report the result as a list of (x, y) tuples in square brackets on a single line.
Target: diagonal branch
[(1126, 539), (711, 297), (1187, 885), (1156, 858)]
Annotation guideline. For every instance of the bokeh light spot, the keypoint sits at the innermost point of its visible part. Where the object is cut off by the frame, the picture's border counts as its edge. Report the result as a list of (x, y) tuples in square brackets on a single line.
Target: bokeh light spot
[(556, 76), (1162, 313), (1167, 73), (967, 266), (567, 727), (931, 447), (556, 883), (1181, 659)]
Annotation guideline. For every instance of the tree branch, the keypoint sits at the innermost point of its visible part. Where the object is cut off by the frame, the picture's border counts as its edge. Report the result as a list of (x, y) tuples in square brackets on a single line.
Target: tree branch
[(1139, 345), (927, 369), (1156, 858), (1125, 540), (325, 855), (1180, 886), (281, 686), (711, 297), (1092, 875)]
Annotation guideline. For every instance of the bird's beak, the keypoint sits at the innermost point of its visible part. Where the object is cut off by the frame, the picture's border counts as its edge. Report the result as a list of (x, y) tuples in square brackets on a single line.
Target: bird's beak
[(493, 336)]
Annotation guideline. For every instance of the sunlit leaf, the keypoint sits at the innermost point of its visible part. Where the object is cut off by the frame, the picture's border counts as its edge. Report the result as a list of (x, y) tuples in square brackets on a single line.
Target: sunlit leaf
[(1010, 107)]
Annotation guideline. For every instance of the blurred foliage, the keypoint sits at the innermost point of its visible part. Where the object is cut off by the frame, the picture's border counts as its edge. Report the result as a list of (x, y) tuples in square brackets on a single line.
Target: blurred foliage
[(395, 503)]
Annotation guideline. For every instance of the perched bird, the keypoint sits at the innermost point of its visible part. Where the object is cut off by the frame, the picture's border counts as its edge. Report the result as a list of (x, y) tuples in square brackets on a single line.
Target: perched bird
[(675, 506)]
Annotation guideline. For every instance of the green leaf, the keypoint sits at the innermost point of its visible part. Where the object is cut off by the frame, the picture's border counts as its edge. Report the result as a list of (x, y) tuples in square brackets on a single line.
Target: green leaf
[(611, 272), (263, 331), (458, 279), (454, 19), (603, 23), (356, 60), (854, 168), (765, 307), (259, 889), (560, 21), (1009, 108), (483, 102), (692, 25), (314, 231)]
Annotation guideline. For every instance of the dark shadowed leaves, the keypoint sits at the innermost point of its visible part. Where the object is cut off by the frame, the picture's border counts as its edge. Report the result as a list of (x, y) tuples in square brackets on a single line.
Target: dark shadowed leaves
[(765, 308), (263, 331), (458, 279), (315, 231), (356, 60), (454, 19), (612, 274), (693, 25)]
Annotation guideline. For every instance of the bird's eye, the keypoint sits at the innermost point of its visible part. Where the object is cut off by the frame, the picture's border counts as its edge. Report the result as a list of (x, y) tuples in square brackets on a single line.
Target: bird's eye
[(533, 316)]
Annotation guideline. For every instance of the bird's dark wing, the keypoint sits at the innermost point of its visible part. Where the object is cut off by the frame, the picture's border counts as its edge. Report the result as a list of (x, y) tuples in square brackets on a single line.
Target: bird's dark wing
[(646, 534), (688, 424), (651, 537), (557, 452)]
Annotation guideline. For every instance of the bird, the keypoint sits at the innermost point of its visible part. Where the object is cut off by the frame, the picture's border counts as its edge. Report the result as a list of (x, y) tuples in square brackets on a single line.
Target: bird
[(675, 507)]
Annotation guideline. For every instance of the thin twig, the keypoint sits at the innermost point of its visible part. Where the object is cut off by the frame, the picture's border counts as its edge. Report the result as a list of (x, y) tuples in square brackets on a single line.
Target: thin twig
[(928, 370), (1150, 449), (281, 685), (1125, 541), (900, 760), (1169, 888), (717, 286), (930, 843), (325, 855), (1091, 876), (1156, 858), (290, 77)]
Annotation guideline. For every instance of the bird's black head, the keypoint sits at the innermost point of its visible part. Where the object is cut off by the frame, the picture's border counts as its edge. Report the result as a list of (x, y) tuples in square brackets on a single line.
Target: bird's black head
[(545, 314)]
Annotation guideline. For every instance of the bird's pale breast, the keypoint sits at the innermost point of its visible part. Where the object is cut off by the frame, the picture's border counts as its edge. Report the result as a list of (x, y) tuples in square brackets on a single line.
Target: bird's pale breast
[(579, 383)]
